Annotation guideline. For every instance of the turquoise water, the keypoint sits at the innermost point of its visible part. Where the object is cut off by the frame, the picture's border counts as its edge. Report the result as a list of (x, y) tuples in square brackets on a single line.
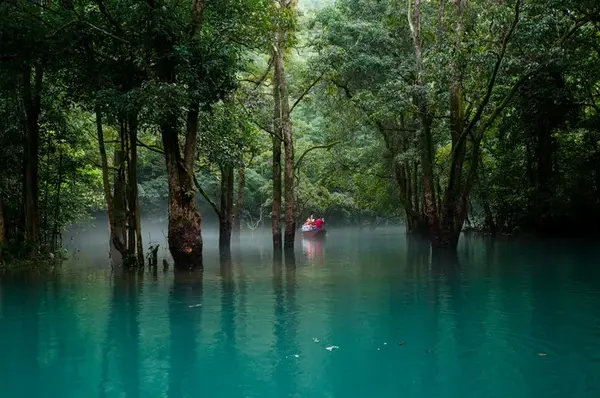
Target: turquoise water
[(503, 320)]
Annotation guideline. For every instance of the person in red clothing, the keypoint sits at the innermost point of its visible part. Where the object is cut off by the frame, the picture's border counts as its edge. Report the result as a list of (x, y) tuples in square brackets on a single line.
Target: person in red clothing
[(319, 223)]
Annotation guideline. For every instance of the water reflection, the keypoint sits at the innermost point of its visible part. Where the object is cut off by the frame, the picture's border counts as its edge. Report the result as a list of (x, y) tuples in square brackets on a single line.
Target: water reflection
[(185, 317), (314, 251), (497, 320), (120, 350), (20, 316), (286, 350)]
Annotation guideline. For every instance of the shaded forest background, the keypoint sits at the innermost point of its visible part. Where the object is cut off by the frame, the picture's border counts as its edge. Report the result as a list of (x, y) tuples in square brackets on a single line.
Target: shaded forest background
[(444, 115)]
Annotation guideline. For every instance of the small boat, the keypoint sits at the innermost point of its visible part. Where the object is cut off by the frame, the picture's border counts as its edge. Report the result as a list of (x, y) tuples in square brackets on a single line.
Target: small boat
[(314, 234)]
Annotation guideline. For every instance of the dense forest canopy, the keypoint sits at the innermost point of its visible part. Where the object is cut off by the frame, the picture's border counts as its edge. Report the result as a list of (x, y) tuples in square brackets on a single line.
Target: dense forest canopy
[(449, 115)]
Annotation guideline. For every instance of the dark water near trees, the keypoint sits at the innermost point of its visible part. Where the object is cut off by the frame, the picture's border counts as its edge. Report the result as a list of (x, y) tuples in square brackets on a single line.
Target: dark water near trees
[(505, 320)]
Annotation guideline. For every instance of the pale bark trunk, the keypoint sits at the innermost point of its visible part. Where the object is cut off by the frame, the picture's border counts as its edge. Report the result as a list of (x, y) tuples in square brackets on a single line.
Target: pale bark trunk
[(226, 208), (114, 237), (134, 201), (239, 206), (119, 195)]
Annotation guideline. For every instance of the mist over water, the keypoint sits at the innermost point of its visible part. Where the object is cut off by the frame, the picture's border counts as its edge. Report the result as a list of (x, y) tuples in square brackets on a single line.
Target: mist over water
[(363, 314)]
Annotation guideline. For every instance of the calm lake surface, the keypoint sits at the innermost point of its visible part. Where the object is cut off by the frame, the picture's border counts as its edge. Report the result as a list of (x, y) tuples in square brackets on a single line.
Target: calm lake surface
[(364, 314)]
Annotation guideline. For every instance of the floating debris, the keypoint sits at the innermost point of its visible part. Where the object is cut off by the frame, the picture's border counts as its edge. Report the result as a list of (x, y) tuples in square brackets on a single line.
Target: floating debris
[(541, 354), (194, 305), (379, 349), (297, 356), (384, 343), (316, 340), (429, 351), (331, 348), (401, 343)]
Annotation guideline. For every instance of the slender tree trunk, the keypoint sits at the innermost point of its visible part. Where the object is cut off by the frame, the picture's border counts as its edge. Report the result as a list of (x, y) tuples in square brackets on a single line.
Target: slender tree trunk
[(119, 195), (277, 141), (46, 197), (239, 206), (489, 218), (114, 237), (57, 224), (128, 196), (288, 142), (226, 209), (32, 99), (415, 184), (134, 201), (2, 229)]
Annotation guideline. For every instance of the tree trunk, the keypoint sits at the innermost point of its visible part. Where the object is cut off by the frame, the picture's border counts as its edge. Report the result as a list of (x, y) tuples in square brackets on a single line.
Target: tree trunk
[(119, 197), (239, 206), (451, 217), (134, 201), (226, 210), (55, 230), (288, 141), (114, 237), (2, 229), (46, 196), (32, 99), (185, 223), (489, 218), (277, 140), (425, 137)]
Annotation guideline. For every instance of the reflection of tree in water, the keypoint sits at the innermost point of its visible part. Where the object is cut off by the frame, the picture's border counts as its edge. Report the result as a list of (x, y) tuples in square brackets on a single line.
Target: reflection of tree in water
[(227, 339), (184, 320), (21, 299), (122, 335), (286, 323)]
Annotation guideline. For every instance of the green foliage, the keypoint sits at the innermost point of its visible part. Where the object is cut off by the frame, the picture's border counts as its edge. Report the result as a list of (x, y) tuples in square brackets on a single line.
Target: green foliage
[(350, 64)]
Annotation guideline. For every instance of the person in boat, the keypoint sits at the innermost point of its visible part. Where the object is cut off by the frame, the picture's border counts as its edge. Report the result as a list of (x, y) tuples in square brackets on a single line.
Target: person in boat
[(319, 223), (309, 225)]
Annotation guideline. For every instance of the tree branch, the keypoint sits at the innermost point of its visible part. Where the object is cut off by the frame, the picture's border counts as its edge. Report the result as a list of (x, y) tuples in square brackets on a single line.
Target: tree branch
[(151, 147), (111, 20), (206, 196), (260, 126), (264, 75), (492, 82), (106, 32), (301, 97), (326, 146)]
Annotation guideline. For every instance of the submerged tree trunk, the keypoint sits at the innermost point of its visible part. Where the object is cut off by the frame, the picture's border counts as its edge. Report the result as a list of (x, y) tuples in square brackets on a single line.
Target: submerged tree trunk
[(430, 208), (185, 222), (32, 100), (134, 201), (114, 236), (57, 225), (288, 141), (226, 209), (277, 141), (239, 205)]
